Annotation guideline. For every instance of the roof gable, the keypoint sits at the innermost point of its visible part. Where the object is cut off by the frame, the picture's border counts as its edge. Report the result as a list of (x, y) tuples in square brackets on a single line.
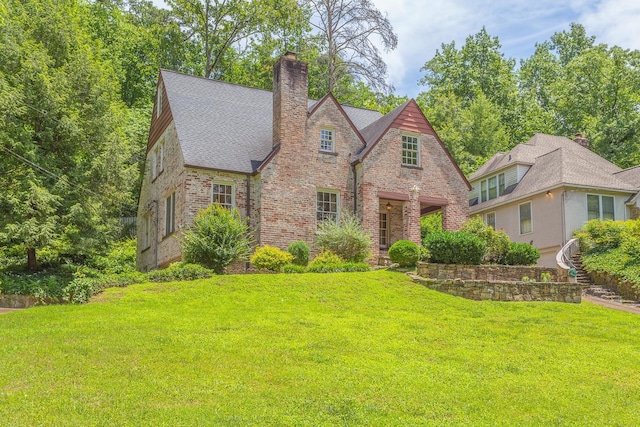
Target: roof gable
[(332, 98)]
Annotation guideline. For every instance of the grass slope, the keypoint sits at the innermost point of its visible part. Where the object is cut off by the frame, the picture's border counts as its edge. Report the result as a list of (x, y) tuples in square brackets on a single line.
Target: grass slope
[(326, 349)]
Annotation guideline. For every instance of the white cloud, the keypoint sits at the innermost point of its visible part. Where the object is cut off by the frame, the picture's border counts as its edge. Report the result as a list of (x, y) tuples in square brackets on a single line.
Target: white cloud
[(614, 22)]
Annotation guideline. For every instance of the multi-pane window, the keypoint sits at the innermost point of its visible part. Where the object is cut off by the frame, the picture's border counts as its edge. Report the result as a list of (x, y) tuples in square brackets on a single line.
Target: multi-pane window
[(490, 219), (492, 187), (170, 214), (146, 231), (157, 159), (384, 230), (327, 207), (525, 218), (326, 140), (410, 150), (600, 207), (222, 194)]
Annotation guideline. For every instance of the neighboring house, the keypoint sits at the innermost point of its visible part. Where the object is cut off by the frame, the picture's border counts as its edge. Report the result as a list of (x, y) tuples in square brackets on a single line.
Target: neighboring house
[(287, 162), (544, 189)]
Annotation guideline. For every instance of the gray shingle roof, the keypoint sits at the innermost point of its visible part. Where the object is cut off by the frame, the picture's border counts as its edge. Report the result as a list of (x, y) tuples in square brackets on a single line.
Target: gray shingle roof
[(556, 161), (226, 126)]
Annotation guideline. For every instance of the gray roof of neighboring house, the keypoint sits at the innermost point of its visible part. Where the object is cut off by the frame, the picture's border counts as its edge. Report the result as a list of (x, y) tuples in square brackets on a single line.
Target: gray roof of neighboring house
[(226, 126), (556, 161)]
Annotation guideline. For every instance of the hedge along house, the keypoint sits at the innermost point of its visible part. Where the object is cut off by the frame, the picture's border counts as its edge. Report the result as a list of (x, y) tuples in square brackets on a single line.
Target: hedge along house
[(543, 190), (287, 162)]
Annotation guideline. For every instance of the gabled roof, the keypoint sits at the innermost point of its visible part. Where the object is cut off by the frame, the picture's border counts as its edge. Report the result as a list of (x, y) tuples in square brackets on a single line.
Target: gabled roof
[(556, 161), (229, 127)]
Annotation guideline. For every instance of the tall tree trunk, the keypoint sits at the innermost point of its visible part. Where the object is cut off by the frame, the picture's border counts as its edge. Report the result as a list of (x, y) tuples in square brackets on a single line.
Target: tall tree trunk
[(32, 265)]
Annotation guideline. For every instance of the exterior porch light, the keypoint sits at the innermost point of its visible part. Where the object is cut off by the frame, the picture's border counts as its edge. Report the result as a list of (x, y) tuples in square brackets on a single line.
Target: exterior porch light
[(388, 206)]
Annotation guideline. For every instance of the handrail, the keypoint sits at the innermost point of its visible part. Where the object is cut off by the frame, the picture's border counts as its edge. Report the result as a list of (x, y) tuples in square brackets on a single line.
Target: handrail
[(563, 258)]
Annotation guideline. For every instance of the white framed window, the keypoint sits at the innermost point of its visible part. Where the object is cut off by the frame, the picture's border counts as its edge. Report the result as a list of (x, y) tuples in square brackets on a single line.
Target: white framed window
[(490, 219), (600, 207), (384, 230), (146, 231), (410, 150), (159, 99), (326, 140), (170, 214), (157, 159), (524, 211), (328, 205), (492, 187), (223, 194)]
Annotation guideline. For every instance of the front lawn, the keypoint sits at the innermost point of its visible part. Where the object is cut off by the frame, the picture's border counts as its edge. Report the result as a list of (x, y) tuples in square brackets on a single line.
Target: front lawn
[(316, 349)]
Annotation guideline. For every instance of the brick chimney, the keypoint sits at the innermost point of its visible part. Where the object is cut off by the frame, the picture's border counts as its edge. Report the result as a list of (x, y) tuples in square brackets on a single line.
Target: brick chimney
[(580, 139), (290, 94)]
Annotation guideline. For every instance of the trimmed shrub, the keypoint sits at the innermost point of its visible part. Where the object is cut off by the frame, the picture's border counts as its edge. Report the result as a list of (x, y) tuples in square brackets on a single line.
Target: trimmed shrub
[(217, 238), (345, 238), (300, 251), (326, 257), (455, 247), (601, 234), (430, 224), (294, 269), (270, 258), (424, 253), (497, 242), (180, 271), (405, 253), (521, 254)]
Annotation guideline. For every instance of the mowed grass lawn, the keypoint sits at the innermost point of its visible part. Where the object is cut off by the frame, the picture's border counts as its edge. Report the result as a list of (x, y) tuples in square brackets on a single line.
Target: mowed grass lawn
[(316, 349)]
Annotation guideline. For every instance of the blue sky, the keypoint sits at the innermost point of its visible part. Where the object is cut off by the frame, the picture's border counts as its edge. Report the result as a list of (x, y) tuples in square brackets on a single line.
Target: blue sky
[(423, 25)]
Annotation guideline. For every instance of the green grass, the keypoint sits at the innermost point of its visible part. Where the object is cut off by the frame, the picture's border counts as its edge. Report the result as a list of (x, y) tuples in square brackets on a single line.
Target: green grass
[(316, 349)]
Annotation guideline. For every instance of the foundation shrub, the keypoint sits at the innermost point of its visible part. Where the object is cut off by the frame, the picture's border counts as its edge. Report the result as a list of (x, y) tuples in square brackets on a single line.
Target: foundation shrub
[(497, 242), (521, 254), (405, 253), (180, 271), (270, 258), (344, 237), (300, 251)]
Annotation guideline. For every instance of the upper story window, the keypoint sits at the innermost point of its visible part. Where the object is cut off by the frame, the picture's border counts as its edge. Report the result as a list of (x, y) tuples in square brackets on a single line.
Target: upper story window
[(326, 140), (159, 99), (157, 159), (328, 205), (146, 231), (223, 195), (600, 207), (410, 150), (525, 218), (170, 214), (492, 187)]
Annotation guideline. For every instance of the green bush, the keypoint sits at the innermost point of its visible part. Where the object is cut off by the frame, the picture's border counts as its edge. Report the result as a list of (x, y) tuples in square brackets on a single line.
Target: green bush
[(455, 247), (405, 253), (180, 271), (430, 224), (217, 238), (345, 238), (326, 257), (300, 251), (424, 254), (497, 242), (294, 268), (81, 289), (521, 254), (339, 267), (41, 284), (121, 258), (601, 234), (270, 258)]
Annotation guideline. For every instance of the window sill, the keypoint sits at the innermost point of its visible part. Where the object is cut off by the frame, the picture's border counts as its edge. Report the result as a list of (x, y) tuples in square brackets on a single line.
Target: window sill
[(412, 167), (330, 153), (145, 249), (168, 235), (157, 176)]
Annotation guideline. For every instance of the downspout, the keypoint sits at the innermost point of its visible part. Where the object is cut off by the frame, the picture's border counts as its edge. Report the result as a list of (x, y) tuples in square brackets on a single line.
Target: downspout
[(155, 202), (564, 226), (248, 212)]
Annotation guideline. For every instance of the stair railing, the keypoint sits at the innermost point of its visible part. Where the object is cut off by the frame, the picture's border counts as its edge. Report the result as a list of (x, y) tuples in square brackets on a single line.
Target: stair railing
[(563, 258)]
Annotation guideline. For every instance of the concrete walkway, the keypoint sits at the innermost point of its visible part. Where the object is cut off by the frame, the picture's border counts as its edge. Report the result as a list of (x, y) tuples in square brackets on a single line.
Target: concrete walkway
[(610, 304), (8, 310)]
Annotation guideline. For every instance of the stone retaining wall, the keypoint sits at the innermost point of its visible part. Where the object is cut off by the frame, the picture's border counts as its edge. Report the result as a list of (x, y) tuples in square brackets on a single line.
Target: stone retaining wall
[(25, 301), (608, 281), (506, 291), (486, 272)]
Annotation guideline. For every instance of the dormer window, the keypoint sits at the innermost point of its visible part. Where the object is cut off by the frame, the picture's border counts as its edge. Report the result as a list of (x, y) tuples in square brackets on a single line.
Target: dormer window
[(326, 140), (492, 187), (410, 150)]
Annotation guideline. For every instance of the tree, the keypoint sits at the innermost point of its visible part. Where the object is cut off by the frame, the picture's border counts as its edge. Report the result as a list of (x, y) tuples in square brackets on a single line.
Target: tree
[(61, 138), (224, 28), (351, 31)]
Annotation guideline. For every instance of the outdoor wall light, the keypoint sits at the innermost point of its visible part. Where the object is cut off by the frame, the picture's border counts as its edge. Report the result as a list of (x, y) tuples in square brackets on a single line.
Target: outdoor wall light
[(389, 207)]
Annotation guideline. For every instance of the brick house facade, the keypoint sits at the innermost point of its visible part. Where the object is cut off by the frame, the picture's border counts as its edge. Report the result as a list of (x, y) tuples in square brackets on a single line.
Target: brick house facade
[(286, 162)]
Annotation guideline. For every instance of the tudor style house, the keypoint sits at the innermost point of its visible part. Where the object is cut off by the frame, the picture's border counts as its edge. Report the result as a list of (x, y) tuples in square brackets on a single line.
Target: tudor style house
[(543, 190), (288, 162)]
